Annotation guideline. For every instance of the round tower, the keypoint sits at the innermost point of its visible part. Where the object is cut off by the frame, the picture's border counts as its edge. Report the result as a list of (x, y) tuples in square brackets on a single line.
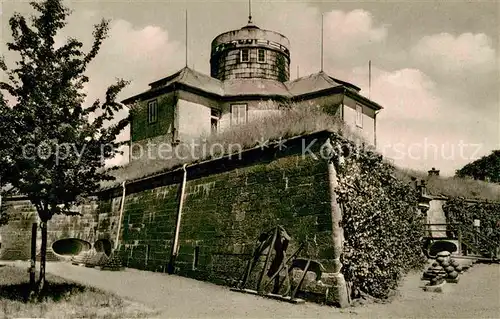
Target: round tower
[(250, 53)]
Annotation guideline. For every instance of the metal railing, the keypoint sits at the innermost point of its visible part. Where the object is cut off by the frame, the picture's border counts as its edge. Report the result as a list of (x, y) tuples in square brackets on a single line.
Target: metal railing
[(471, 237)]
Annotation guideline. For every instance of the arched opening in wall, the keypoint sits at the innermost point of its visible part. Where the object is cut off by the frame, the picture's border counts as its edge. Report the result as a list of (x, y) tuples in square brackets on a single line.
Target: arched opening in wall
[(441, 245), (70, 246), (103, 245)]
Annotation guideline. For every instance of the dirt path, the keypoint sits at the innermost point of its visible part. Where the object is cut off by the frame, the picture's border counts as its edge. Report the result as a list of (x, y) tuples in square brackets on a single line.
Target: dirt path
[(477, 295)]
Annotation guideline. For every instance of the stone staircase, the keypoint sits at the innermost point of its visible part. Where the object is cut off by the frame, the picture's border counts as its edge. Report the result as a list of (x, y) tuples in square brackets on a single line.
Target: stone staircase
[(473, 245), (478, 246)]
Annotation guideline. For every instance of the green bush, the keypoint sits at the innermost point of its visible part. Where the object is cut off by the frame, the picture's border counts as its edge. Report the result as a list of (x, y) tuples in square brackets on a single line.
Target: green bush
[(383, 227), (485, 168), (4, 217)]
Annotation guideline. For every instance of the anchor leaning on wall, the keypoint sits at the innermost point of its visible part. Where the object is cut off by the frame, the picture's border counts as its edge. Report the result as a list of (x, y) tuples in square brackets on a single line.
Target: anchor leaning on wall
[(175, 245), (121, 216), (336, 159)]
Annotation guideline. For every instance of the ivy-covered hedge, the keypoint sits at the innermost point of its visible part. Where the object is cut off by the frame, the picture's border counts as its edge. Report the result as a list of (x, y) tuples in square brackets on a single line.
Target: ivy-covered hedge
[(4, 217), (461, 211), (383, 227)]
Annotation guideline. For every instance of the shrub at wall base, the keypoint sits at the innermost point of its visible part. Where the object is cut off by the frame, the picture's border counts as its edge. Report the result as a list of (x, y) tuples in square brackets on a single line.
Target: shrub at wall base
[(383, 228)]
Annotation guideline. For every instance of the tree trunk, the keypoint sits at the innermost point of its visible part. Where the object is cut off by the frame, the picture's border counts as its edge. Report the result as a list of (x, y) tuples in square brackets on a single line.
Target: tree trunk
[(33, 288), (43, 254)]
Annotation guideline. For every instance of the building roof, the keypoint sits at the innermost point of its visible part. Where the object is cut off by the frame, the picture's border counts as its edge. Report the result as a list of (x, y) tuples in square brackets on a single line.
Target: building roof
[(250, 25), (307, 85), (186, 76), (251, 32), (190, 77), (261, 87), (316, 82)]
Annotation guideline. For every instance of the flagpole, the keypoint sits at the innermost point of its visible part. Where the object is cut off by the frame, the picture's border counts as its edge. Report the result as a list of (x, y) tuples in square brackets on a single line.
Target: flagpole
[(322, 32), (249, 11), (369, 78), (186, 38)]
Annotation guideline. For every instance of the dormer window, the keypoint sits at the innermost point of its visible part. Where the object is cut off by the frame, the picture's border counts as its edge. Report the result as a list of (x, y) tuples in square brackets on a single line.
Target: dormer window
[(152, 111), (244, 55), (261, 56), (214, 120), (238, 114)]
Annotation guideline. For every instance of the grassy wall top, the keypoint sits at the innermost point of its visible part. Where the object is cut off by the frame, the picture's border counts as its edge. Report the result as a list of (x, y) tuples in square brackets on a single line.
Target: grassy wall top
[(456, 187), (293, 121)]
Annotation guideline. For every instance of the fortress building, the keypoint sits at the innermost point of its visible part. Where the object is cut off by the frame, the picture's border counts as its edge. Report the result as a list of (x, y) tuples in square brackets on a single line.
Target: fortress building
[(249, 67)]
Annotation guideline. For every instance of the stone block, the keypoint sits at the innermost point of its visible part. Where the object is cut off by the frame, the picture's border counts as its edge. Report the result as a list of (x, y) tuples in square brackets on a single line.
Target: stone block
[(435, 288), (454, 281)]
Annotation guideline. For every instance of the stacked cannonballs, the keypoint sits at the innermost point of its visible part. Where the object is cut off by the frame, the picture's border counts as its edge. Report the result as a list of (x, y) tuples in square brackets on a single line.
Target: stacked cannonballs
[(444, 268)]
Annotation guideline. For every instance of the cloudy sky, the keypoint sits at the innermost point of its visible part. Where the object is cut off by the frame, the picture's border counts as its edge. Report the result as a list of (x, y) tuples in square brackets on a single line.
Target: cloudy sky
[(435, 65)]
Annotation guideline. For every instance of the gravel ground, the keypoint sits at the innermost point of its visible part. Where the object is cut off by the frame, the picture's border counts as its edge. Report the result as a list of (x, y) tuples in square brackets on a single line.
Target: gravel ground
[(477, 295)]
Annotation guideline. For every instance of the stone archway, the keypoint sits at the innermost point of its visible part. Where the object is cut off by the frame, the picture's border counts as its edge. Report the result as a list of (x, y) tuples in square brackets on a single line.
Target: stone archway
[(103, 245), (70, 246)]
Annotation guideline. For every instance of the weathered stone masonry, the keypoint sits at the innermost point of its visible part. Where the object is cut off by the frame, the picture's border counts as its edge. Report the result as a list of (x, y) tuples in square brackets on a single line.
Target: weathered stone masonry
[(17, 233), (228, 203)]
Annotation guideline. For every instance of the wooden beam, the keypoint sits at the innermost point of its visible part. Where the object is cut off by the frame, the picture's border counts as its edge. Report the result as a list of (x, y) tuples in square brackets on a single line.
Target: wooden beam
[(269, 252)]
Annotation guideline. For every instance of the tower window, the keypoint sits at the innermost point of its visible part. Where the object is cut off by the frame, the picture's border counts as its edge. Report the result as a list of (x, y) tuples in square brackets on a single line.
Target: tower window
[(244, 55), (359, 115), (215, 113), (152, 112), (261, 57), (214, 125), (214, 121), (238, 114)]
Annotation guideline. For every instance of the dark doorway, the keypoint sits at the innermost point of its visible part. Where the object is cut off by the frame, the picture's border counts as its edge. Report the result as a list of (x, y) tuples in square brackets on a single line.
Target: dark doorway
[(103, 245), (70, 246), (442, 245)]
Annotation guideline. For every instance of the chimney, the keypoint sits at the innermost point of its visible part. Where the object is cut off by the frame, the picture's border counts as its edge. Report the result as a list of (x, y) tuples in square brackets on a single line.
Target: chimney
[(433, 172)]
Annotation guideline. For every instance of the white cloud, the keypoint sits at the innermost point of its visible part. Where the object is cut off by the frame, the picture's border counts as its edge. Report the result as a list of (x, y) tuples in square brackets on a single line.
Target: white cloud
[(347, 35), (139, 45), (418, 127), (138, 54), (404, 94), (425, 144), (467, 52), (301, 24), (407, 93), (346, 32)]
